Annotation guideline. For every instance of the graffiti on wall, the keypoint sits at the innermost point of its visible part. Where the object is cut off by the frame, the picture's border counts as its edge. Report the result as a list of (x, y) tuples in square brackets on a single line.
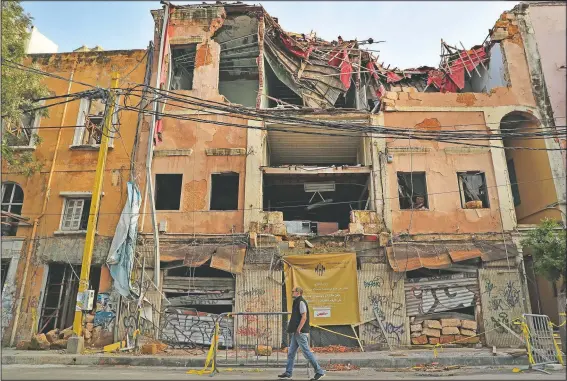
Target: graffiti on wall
[(188, 328), (432, 300), (502, 304), (382, 298), (105, 312)]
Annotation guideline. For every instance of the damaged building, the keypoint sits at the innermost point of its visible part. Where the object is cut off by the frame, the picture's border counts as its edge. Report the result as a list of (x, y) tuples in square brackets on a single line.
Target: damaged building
[(267, 148)]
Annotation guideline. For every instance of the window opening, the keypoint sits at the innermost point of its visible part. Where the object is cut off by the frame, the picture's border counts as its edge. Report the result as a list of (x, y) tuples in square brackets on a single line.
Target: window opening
[(60, 295), (12, 202), (514, 182), (92, 134), (473, 189), (415, 198), (5, 264), (23, 135), (224, 191), (183, 66), (76, 214), (168, 191)]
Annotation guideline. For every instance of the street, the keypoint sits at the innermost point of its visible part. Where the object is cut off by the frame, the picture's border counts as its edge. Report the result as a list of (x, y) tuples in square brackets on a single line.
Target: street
[(49, 372)]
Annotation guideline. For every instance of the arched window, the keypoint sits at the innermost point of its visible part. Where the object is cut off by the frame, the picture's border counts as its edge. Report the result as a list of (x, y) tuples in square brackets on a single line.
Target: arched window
[(12, 201)]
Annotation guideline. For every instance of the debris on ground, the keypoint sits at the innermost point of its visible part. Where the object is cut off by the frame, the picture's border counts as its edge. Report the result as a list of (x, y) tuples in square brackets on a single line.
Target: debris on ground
[(334, 349), (337, 367), (434, 367)]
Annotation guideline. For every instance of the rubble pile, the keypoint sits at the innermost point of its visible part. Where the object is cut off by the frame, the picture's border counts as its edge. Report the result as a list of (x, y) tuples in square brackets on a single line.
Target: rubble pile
[(444, 331)]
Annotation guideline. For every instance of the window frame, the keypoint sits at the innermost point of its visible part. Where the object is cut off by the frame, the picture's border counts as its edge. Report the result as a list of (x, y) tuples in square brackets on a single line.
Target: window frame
[(462, 190), (172, 64), (66, 200), (11, 203), (426, 195), (237, 191), (80, 130), (36, 122)]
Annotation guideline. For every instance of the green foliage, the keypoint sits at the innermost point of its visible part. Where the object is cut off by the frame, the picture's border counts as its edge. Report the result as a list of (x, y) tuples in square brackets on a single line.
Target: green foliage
[(19, 88), (549, 249)]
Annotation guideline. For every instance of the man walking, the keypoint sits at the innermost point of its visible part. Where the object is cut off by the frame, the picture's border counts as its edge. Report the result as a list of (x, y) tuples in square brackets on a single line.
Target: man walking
[(298, 327)]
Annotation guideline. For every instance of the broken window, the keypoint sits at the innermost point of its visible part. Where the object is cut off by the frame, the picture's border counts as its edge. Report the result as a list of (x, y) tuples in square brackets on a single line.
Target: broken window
[(168, 191), (90, 122), (24, 133), (4, 270), (12, 202), (279, 94), (474, 193), (76, 214), (412, 190), (224, 191), (182, 66), (60, 295), (513, 182)]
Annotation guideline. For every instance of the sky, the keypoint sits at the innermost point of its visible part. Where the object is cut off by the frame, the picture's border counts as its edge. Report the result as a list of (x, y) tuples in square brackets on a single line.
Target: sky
[(412, 31)]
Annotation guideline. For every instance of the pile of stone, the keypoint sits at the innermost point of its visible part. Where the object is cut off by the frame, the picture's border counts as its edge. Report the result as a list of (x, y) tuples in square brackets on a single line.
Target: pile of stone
[(54, 339), (444, 331)]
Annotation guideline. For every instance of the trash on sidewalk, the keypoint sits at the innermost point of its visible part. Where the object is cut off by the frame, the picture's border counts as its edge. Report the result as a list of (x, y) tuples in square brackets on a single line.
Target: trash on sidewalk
[(338, 367), (334, 349), (434, 367)]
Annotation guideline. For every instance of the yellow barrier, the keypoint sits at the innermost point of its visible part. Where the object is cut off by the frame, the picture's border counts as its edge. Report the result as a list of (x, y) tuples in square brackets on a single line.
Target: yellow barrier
[(211, 355)]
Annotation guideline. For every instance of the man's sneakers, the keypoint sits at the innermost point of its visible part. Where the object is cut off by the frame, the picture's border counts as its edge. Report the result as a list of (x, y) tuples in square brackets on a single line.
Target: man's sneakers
[(318, 376), (284, 375)]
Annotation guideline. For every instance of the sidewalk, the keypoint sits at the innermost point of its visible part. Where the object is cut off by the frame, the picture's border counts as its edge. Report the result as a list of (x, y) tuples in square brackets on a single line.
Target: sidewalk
[(379, 360)]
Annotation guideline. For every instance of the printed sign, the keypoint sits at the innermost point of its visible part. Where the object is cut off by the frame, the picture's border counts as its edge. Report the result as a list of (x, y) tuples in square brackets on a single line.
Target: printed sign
[(329, 283)]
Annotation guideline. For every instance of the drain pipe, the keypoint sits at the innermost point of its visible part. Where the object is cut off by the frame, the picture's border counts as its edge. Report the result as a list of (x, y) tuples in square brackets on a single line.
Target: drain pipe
[(149, 183), (36, 221)]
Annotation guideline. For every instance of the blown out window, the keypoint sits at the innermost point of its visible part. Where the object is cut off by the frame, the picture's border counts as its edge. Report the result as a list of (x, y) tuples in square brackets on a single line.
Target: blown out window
[(168, 191), (183, 65), (224, 191), (474, 193), (412, 190)]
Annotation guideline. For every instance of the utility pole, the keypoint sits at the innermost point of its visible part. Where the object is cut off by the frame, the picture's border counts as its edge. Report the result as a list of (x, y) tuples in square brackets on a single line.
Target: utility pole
[(95, 204)]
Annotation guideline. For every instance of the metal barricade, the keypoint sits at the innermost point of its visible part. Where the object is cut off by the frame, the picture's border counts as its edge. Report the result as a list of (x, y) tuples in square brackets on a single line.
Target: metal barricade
[(540, 343)]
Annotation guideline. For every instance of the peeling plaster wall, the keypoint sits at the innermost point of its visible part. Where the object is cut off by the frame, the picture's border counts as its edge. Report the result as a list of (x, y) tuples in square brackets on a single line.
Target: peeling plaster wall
[(11, 249), (74, 169), (441, 164)]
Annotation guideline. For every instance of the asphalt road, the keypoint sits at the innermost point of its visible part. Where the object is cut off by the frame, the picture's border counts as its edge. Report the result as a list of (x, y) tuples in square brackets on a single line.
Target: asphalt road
[(57, 372)]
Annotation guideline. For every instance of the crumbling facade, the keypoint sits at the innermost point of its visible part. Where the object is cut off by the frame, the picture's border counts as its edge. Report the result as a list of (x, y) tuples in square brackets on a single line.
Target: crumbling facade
[(265, 144)]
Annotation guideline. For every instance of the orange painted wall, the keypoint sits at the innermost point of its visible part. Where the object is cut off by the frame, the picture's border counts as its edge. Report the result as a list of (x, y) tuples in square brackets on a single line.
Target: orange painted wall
[(445, 214)]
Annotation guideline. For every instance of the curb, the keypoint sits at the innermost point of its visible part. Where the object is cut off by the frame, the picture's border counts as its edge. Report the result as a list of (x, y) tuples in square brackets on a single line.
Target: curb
[(187, 362)]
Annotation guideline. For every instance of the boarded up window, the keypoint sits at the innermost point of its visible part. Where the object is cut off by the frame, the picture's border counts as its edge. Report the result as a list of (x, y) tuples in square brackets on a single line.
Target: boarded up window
[(412, 190), (474, 193), (224, 191), (168, 191)]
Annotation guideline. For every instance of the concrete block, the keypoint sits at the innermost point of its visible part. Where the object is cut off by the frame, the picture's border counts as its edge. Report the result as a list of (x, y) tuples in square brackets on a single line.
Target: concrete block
[(450, 323), (432, 324), (420, 340), (66, 333), (372, 228), (416, 334), (446, 339), (450, 331), (52, 335), (415, 327), (273, 217), (149, 349), (431, 332), (75, 345), (278, 229), (384, 239), (263, 350), (433, 340), (355, 228), (39, 342), (460, 339), (499, 34), (469, 324), (467, 332), (59, 344)]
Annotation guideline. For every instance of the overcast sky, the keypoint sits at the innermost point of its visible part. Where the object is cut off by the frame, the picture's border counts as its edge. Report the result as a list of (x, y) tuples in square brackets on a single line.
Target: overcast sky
[(412, 30)]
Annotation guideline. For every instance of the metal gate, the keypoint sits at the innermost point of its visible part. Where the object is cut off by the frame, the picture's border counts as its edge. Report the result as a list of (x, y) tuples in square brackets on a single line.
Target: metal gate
[(541, 346)]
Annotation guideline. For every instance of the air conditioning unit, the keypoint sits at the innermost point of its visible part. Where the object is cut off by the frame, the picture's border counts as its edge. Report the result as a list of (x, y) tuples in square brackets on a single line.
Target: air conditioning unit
[(162, 228)]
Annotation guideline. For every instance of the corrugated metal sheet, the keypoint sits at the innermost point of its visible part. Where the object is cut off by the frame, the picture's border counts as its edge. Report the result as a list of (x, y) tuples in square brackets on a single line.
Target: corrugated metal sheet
[(301, 148), (185, 327), (501, 297), (258, 290), (443, 293), (380, 289)]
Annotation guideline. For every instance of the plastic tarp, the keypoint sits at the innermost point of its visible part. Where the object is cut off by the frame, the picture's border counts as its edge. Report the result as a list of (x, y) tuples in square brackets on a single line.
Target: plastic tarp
[(121, 255)]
